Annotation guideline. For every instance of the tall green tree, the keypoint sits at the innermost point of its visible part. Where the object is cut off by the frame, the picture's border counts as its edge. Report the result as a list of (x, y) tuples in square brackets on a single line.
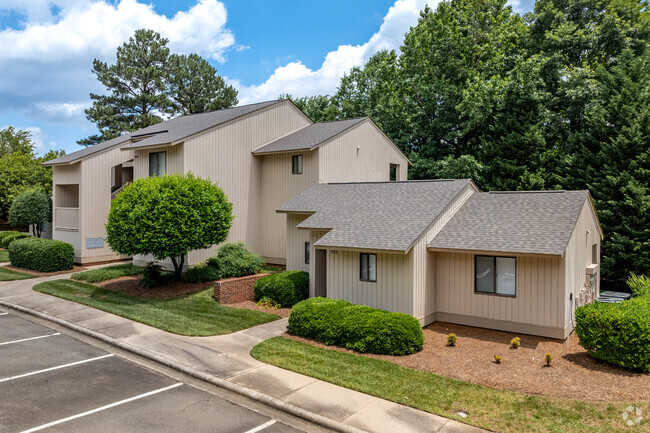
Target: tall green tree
[(14, 140), (319, 108), (31, 208), (20, 173), (195, 87)]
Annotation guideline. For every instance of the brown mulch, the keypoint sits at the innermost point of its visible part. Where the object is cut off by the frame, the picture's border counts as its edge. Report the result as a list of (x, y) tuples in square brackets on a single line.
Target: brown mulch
[(250, 305), (75, 268), (573, 373), (172, 289)]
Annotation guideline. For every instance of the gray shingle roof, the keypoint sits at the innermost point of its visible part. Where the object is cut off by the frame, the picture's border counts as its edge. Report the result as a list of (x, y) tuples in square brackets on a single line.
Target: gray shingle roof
[(308, 137), (379, 215), (515, 222), (166, 132)]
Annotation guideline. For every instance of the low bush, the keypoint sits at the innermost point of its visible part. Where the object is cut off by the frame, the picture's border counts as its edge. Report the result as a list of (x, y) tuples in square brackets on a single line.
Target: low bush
[(452, 339), (9, 237), (357, 327), (201, 274), (286, 288), (497, 359), (234, 260), (6, 233), (515, 342), (152, 275), (42, 255), (639, 285), (618, 334)]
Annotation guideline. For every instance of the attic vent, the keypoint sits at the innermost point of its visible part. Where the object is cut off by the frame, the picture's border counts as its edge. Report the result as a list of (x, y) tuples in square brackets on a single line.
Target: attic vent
[(558, 191)]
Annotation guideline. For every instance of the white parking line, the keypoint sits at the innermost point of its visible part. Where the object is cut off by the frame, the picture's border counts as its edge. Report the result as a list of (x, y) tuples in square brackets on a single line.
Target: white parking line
[(28, 339), (99, 409), (261, 427), (6, 379)]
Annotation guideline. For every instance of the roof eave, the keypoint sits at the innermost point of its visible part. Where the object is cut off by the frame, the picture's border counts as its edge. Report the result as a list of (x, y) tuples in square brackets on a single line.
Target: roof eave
[(494, 252)]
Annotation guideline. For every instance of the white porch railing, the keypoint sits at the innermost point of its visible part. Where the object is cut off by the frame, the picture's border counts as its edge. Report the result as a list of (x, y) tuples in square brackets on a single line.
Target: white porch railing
[(66, 218)]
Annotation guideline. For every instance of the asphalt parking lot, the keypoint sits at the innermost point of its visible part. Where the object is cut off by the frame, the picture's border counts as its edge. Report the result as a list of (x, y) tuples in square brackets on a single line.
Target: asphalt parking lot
[(53, 382)]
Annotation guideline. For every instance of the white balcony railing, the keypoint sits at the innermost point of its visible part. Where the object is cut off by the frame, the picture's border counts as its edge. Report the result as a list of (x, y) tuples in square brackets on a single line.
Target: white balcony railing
[(66, 218)]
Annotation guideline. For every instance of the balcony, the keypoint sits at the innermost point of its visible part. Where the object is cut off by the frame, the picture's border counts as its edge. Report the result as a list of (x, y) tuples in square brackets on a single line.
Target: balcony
[(66, 218)]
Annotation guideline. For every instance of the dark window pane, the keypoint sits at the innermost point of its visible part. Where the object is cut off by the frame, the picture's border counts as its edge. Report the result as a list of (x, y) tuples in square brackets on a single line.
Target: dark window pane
[(484, 274)]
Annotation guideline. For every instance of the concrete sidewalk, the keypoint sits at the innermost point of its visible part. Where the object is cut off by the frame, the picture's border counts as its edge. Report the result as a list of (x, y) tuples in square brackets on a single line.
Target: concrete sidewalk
[(227, 357)]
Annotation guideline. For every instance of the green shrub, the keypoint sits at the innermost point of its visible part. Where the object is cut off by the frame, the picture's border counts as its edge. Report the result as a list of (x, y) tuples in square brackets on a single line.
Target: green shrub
[(357, 327), (286, 288), (515, 343), (618, 334), (452, 339), (234, 260), (42, 255), (12, 236), (31, 208), (201, 274), (639, 285), (152, 275), (6, 233)]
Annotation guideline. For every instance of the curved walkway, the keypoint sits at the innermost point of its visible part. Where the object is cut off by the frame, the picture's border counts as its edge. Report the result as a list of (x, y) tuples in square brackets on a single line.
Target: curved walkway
[(227, 357)]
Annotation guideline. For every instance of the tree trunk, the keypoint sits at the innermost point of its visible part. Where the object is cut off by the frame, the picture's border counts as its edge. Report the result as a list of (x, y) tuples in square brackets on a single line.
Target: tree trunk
[(37, 230), (178, 266)]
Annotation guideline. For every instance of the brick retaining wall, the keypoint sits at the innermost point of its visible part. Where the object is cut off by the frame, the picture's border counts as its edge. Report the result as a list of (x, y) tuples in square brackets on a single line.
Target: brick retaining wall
[(234, 290)]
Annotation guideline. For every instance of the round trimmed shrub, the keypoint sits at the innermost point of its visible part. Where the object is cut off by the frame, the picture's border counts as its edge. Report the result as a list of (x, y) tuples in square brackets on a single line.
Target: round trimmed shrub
[(201, 274), (234, 260), (5, 234), (7, 239), (357, 327), (286, 288), (618, 334), (42, 255)]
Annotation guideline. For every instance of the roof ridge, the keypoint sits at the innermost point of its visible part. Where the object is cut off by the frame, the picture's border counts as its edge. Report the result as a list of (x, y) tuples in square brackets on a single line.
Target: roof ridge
[(395, 181), (341, 120)]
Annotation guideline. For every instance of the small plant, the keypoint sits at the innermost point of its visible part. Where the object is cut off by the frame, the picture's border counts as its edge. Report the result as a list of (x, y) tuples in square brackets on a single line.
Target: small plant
[(515, 342), (497, 359), (201, 274), (152, 275), (451, 340), (548, 358), (268, 303)]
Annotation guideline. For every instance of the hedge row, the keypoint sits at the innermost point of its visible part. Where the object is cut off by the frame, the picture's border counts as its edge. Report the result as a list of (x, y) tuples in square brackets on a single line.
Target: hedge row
[(8, 237), (618, 334), (42, 255), (286, 288), (338, 322)]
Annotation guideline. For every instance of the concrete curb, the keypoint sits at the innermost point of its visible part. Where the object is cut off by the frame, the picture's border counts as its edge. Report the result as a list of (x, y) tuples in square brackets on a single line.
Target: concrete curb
[(222, 383)]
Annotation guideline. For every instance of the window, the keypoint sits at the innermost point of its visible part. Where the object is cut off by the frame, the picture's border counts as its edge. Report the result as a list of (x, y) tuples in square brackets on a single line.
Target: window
[(594, 254), (306, 253), (495, 275), (296, 164), (368, 271), (394, 171), (157, 163)]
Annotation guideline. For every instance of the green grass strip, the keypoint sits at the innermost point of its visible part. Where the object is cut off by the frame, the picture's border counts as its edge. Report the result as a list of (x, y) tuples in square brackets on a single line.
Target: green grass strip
[(108, 273), (10, 275), (197, 314), (492, 409)]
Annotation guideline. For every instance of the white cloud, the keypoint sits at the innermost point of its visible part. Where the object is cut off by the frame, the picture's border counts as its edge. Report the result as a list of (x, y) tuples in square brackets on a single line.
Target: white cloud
[(298, 80), (46, 64), (37, 136)]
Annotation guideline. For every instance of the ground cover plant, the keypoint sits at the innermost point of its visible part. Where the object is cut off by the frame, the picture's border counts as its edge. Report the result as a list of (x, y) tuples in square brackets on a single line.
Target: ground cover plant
[(338, 322), (11, 275), (108, 273), (42, 255), (197, 314), (286, 288), (492, 409)]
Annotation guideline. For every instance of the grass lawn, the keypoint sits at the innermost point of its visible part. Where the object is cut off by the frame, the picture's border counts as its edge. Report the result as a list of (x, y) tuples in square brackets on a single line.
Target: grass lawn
[(10, 275), (270, 269), (197, 314), (108, 273), (4, 256), (489, 408)]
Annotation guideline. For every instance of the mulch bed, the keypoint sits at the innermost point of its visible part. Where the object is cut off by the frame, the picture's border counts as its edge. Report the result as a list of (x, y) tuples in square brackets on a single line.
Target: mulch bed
[(173, 289), (75, 268), (573, 373)]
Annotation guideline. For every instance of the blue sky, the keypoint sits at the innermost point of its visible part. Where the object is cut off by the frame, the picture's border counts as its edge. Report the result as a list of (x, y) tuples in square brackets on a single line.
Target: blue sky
[(262, 47)]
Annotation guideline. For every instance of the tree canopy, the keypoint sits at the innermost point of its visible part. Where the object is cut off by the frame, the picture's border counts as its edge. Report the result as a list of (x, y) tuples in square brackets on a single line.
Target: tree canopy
[(168, 217), (146, 84), (558, 98), (31, 208), (14, 140)]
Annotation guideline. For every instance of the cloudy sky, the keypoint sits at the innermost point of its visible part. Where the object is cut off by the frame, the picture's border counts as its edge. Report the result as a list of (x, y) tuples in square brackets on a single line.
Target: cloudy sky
[(262, 47)]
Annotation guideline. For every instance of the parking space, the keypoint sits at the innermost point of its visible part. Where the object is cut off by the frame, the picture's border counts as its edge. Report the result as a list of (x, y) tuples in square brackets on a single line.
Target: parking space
[(51, 382)]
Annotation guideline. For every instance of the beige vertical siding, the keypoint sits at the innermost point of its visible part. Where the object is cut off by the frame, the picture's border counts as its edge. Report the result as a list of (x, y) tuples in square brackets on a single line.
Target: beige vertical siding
[(224, 156), (424, 296), (578, 255), (295, 244), (95, 200), (279, 185), (173, 160), (539, 289), (341, 161), (393, 290), (66, 175)]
